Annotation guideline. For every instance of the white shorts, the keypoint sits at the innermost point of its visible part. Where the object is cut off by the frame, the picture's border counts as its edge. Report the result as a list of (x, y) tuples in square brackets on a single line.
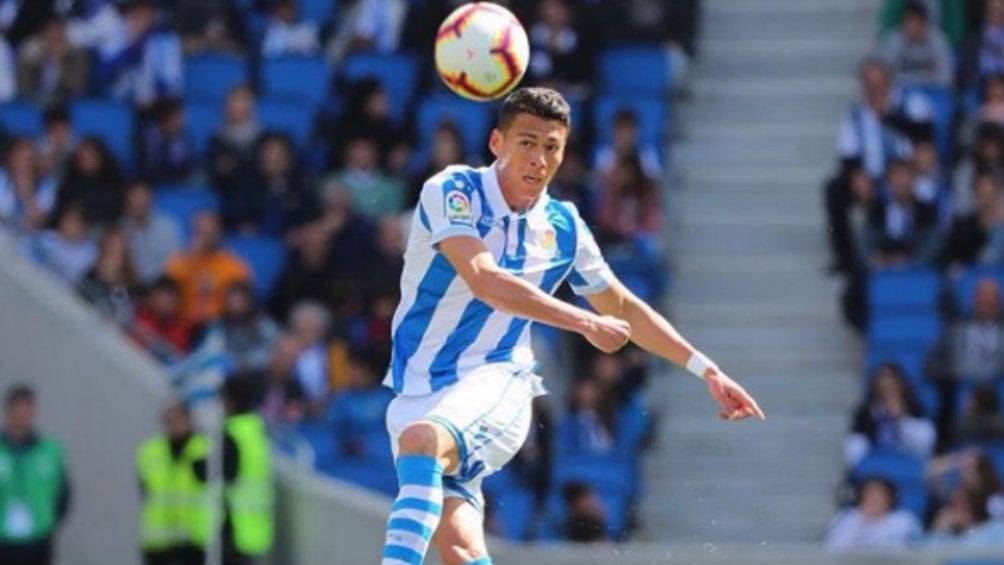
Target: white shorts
[(488, 412)]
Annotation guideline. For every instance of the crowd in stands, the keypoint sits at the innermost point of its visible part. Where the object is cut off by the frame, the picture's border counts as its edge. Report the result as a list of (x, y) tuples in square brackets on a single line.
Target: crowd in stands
[(917, 229), (231, 182)]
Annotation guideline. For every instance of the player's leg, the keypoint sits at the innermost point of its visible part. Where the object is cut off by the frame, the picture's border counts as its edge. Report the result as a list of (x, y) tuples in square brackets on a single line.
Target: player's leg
[(424, 451), (460, 539)]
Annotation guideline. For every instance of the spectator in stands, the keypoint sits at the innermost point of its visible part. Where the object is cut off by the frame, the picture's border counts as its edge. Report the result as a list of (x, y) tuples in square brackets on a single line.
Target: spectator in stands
[(901, 229), (978, 237), (159, 326), (309, 322), (50, 70), (26, 199), (110, 283), (93, 182), (95, 25), (964, 521), (286, 34), (968, 469), (56, 144), (357, 413), (559, 57), (285, 400), (366, 114), (589, 426), (874, 523), (308, 274), (8, 85), (165, 153), (985, 156), (378, 25), (249, 492), (177, 516), (209, 25), (232, 149), (205, 271), (980, 420), (68, 251), (386, 263), (573, 183), (918, 53), (147, 65), (447, 149), (628, 210), (625, 143), (990, 44), (36, 488), (991, 110), (891, 418), (249, 335), (153, 237), (585, 520), (374, 192), (350, 235), (972, 348), (20, 20), (276, 200), (930, 184)]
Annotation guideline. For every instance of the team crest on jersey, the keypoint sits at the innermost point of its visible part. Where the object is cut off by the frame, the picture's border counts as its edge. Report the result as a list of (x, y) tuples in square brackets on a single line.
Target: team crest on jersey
[(548, 241), (458, 207)]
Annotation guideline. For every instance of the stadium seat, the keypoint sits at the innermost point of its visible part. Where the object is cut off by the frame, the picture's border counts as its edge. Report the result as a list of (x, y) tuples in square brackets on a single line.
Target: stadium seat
[(905, 291), (295, 120), (21, 118), (474, 120), (908, 331), (201, 122), (397, 73), (318, 11), (964, 286), (512, 503), (942, 103), (266, 257), (903, 470), (652, 113), (210, 76), (181, 203), (296, 79), (109, 120), (634, 70)]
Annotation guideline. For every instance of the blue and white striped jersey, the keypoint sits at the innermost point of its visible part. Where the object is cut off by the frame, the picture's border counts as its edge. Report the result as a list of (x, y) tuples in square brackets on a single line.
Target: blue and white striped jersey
[(440, 331)]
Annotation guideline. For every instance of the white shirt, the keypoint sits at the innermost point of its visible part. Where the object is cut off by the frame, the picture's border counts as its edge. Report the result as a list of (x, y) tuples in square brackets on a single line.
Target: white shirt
[(862, 133), (440, 331), (851, 530)]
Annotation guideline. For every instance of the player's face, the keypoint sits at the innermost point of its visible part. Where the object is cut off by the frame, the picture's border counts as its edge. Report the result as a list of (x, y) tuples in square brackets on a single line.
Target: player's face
[(529, 152)]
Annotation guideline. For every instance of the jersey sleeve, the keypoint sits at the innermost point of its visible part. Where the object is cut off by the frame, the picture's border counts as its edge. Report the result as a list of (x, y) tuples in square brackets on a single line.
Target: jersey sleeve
[(590, 272), (448, 205)]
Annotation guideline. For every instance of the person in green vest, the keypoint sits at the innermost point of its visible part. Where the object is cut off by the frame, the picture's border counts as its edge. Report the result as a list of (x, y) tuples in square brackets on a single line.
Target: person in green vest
[(34, 489), (176, 522), (249, 492)]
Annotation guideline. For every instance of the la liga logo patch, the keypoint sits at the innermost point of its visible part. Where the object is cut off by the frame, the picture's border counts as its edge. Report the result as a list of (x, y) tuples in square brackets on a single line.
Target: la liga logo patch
[(458, 207)]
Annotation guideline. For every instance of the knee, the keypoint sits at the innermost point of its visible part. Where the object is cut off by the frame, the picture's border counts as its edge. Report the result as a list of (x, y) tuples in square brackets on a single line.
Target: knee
[(421, 439)]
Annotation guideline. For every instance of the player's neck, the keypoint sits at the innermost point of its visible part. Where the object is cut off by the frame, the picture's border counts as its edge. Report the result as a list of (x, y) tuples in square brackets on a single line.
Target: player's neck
[(518, 201)]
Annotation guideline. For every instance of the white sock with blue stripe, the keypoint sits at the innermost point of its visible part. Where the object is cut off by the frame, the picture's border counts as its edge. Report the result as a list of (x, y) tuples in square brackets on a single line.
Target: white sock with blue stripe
[(416, 512)]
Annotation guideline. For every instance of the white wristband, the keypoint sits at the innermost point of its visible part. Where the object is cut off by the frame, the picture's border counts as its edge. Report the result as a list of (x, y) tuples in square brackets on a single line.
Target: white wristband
[(698, 364)]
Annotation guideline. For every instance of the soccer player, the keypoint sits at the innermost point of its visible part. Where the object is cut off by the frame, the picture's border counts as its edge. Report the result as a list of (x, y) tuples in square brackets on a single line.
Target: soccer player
[(487, 249)]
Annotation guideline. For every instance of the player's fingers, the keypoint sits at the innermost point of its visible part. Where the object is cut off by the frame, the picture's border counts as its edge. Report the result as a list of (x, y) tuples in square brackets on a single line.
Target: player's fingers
[(756, 409)]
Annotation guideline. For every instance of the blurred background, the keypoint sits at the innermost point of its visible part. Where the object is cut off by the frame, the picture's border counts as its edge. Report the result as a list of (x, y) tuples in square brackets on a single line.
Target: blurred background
[(203, 207)]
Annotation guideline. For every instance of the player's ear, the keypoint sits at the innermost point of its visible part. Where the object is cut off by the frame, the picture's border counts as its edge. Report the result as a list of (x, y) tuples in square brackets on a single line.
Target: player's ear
[(495, 142)]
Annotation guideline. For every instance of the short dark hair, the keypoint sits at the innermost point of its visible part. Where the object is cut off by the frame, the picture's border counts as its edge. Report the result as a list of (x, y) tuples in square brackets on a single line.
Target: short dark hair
[(537, 101), (56, 115), (915, 9), (19, 393)]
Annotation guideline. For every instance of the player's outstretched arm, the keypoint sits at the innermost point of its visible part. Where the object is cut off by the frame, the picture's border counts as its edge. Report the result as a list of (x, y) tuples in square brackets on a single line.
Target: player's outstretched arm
[(652, 332), (503, 291)]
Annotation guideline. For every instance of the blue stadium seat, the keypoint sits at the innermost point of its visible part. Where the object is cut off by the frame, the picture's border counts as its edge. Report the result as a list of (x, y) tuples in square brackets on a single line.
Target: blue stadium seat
[(652, 113), (318, 11), (512, 504), (943, 104), (21, 118), (266, 257), (209, 77), (296, 79), (904, 291), (321, 438), (181, 203), (474, 120), (295, 120), (634, 70), (964, 286), (398, 73), (906, 331), (110, 120), (202, 121)]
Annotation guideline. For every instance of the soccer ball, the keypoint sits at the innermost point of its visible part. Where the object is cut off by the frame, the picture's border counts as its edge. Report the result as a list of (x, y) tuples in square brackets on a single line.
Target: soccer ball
[(481, 51)]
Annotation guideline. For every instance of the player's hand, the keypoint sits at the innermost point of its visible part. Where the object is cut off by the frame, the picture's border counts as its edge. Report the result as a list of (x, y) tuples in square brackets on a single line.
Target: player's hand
[(733, 401), (607, 333)]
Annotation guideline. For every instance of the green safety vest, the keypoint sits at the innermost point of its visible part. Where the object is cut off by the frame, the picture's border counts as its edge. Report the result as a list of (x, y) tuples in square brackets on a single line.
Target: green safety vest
[(250, 496), (178, 508), (31, 483)]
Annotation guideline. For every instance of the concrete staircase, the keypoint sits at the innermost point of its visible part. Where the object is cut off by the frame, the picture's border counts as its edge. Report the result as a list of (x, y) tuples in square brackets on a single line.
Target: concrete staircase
[(772, 82)]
